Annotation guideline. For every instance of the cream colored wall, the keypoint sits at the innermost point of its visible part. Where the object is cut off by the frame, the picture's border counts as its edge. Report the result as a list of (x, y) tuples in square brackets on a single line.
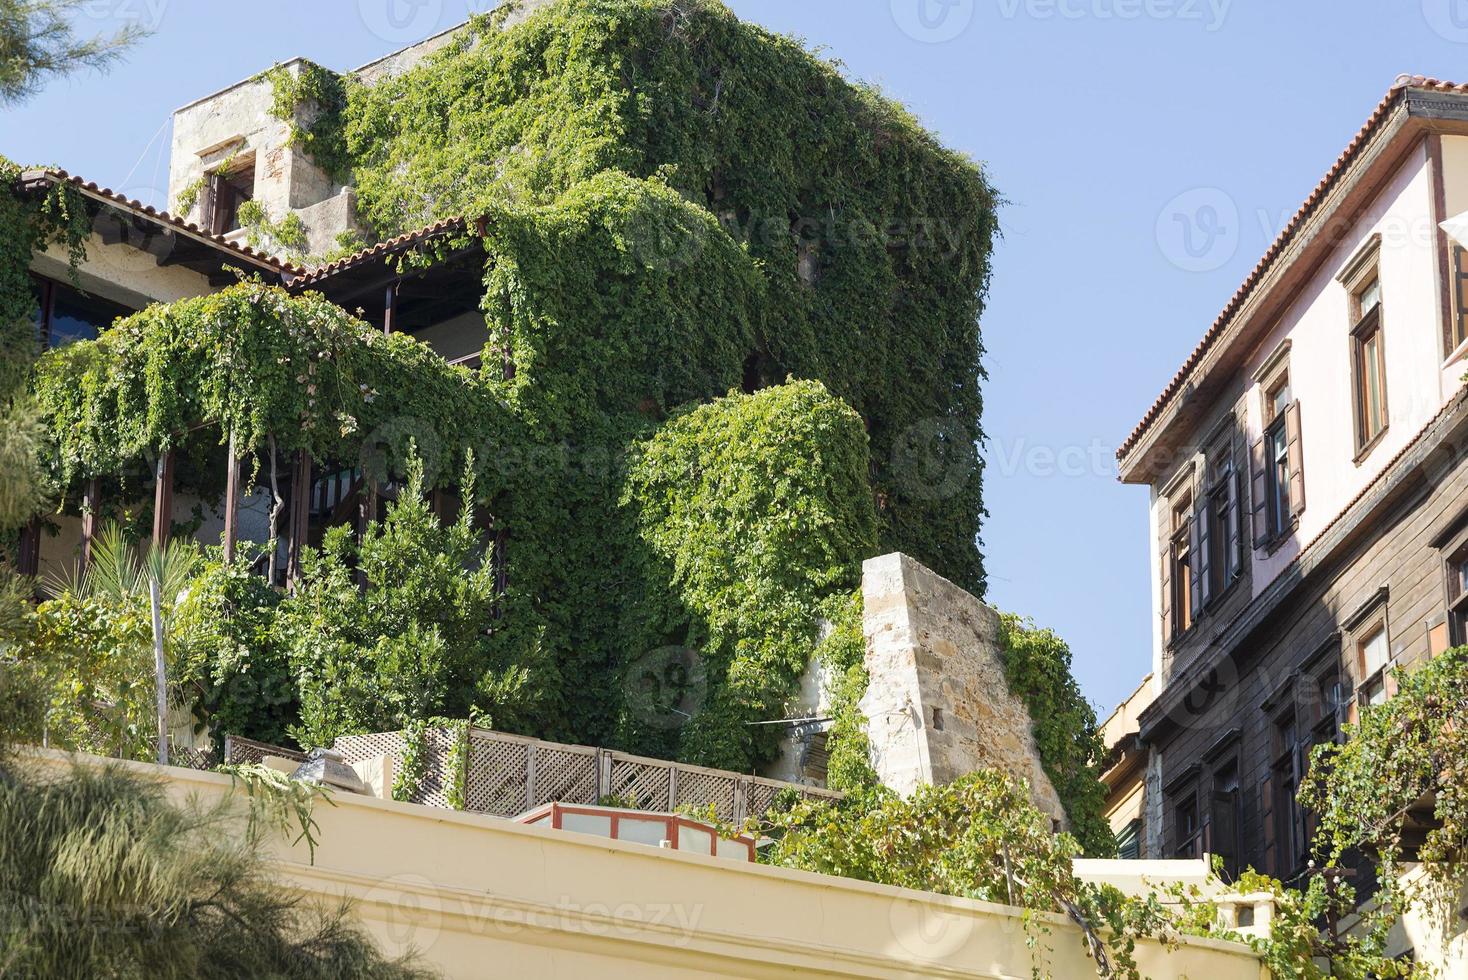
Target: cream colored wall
[(484, 897), (122, 274)]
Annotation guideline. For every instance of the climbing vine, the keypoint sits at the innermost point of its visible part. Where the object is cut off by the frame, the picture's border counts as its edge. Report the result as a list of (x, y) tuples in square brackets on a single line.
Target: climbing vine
[(1037, 667), (311, 100)]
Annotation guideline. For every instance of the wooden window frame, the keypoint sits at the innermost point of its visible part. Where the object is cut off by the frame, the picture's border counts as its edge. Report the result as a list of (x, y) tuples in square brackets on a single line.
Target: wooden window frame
[(1360, 274), (223, 196), (1278, 461), (1183, 557), (1222, 511), (1288, 764), (1455, 568), (1457, 340), (1187, 844), (1226, 795)]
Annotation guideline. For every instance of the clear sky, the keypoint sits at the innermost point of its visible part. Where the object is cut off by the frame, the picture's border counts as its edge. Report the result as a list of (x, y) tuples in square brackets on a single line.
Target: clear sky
[(1149, 151)]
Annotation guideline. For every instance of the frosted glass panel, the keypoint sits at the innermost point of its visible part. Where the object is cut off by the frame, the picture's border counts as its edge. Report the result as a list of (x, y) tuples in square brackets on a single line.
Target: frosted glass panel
[(736, 849), (652, 832), (693, 839), (586, 823)]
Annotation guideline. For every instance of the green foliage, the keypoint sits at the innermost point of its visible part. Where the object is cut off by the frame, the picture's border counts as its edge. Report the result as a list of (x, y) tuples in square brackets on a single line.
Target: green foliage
[(104, 877), (24, 479), (280, 804), (1037, 667), (412, 645), (1408, 753), (757, 508), (281, 372), (979, 837), (38, 41), (286, 236), (231, 662), (311, 100), (892, 231), (843, 652)]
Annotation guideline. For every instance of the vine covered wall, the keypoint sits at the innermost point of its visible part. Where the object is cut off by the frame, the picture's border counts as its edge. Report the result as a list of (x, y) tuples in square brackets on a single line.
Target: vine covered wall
[(656, 237)]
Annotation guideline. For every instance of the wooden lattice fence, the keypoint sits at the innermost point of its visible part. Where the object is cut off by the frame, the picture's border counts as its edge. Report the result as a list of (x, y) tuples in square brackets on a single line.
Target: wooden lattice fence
[(506, 775)]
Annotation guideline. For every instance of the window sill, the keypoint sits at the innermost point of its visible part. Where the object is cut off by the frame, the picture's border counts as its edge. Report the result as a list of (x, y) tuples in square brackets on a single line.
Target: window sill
[(1366, 450)]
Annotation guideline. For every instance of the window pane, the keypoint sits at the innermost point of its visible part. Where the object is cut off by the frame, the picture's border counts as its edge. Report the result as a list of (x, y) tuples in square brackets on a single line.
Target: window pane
[(1370, 297), (652, 832), (78, 316), (1374, 653), (587, 823)]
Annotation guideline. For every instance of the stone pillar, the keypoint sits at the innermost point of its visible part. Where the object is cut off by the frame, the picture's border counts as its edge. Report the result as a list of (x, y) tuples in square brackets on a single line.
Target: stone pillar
[(938, 705)]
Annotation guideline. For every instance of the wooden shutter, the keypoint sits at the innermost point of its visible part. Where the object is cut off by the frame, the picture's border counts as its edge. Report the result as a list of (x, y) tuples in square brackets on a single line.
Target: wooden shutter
[(1296, 451), (1195, 564), (1225, 829), (1259, 485), (1203, 521), (1235, 524), (1266, 823), (214, 204), (1166, 603)]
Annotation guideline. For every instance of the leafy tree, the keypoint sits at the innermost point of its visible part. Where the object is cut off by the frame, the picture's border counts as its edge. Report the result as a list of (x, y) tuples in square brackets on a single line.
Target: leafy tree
[(38, 40), (104, 877), (414, 642), (232, 664)]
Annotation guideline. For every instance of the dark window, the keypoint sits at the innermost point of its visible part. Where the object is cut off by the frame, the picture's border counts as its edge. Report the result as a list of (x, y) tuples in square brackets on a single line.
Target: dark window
[(1289, 772), (1279, 480), (1188, 828), (65, 314), (1225, 817), (227, 192), (1223, 550)]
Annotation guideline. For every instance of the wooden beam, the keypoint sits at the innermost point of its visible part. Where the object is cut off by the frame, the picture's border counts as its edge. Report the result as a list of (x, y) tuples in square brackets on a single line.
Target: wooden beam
[(163, 498), (91, 503), (28, 560), (300, 515), (232, 500), (390, 308)]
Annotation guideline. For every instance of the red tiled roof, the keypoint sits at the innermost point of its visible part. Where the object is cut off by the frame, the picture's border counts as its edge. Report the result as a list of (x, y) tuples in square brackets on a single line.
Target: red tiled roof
[(442, 227), (1348, 156), (56, 175)]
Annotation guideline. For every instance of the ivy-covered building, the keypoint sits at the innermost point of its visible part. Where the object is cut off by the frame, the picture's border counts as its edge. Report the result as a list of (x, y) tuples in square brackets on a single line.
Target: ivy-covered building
[(700, 359)]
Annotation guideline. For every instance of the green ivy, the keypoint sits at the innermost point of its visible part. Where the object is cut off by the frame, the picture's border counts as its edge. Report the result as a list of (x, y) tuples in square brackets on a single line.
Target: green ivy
[(1037, 667), (311, 101)]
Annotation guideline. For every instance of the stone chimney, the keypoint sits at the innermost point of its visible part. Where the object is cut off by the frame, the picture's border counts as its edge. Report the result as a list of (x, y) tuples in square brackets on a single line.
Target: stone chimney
[(938, 705)]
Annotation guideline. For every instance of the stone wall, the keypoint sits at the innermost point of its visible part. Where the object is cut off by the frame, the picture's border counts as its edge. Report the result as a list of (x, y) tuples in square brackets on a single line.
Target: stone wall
[(938, 705)]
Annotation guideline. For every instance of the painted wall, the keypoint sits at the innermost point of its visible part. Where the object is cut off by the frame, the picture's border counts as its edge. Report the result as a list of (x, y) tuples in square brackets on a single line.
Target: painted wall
[(477, 896)]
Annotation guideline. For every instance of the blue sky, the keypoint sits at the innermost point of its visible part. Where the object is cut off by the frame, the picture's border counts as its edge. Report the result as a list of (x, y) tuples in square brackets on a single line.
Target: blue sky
[(1149, 151)]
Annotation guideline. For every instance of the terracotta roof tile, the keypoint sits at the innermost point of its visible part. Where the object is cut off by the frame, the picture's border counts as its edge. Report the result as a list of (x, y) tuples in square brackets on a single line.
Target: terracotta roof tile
[(442, 227), (57, 175), (1403, 83)]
